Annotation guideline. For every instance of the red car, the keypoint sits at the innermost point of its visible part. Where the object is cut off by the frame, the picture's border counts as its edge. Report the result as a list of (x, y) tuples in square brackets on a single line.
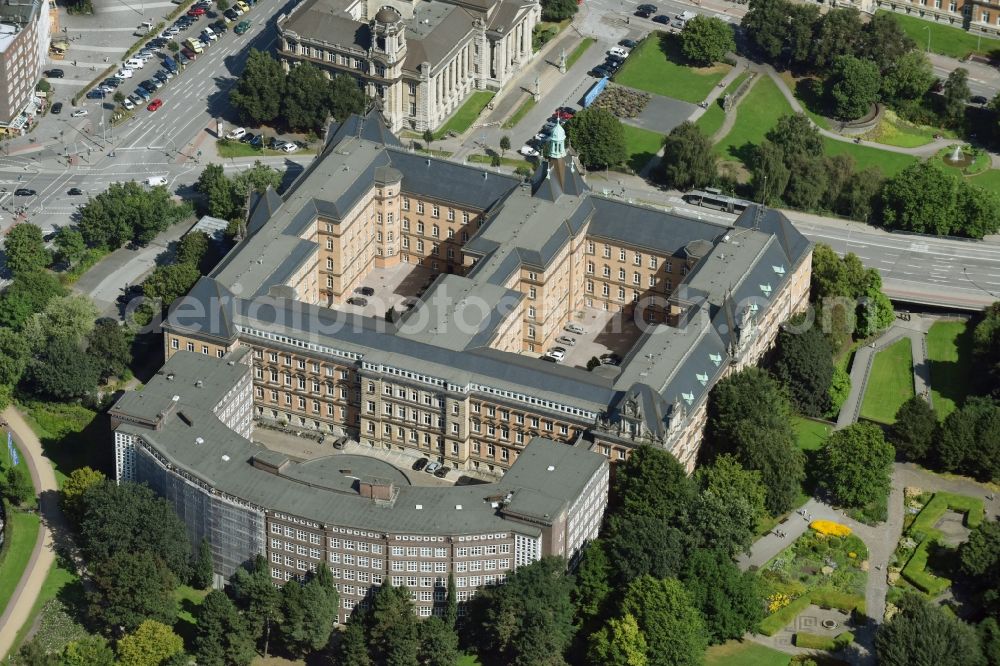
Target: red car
[(564, 113), (155, 104), (196, 11)]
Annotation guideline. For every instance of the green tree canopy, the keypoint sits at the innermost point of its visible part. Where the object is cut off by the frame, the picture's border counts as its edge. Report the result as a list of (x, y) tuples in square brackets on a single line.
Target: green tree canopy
[(673, 627), (909, 77), (70, 246), (729, 599), (558, 10), (15, 353), (731, 506), (151, 644), (258, 598), (306, 103), (346, 97), (27, 294), (805, 366), (258, 92), (749, 416), (689, 160), (222, 638), (837, 34), (884, 41), (202, 567), (16, 485), (75, 486), (915, 429), (923, 633), (707, 39), (438, 643), (130, 588), (91, 650), (63, 371), (592, 580), (25, 248), (970, 439), (856, 464), (854, 86), (127, 212), (110, 345), (955, 95), (619, 643), (217, 190), (391, 627), (598, 137)]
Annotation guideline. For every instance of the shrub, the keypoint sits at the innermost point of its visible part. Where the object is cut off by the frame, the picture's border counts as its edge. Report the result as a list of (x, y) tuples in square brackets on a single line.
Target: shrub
[(830, 528), (817, 642), (916, 572)]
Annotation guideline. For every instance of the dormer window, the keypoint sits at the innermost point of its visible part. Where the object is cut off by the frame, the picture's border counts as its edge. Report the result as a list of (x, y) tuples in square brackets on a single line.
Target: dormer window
[(716, 359), (780, 270), (702, 378), (687, 397), (765, 289)]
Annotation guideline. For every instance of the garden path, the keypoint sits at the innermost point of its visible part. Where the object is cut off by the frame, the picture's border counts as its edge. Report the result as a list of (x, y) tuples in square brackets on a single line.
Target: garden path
[(925, 150)]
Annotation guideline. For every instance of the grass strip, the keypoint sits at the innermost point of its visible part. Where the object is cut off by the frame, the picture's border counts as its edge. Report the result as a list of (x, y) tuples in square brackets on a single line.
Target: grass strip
[(526, 106), (578, 52)]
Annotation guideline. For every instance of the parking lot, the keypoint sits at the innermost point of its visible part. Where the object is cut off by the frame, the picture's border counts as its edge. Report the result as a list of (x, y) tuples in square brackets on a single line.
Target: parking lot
[(392, 287), (605, 333)]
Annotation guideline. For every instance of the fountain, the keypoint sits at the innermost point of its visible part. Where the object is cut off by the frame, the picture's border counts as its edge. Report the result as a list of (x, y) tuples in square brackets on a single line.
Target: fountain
[(956, 155), (958, 158), (829, 624)]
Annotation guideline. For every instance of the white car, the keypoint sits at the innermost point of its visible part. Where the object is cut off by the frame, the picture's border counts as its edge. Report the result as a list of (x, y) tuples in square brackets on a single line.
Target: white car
[(79, 113), (528, 151), (127, 103), (236, 133), (289, 147), (239, 12), (619, 51), (125, 73), (211, 36), (556, 354)]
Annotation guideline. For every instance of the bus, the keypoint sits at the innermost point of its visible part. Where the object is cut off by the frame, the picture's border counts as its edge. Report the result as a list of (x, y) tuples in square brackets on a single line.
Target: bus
[(712, 197)]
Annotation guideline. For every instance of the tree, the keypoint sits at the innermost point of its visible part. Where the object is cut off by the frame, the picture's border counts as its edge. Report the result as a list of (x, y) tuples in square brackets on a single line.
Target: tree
[(129, 588), (67, 317), (909, 77), (619, 643), (857, 197), (923, 633), (259, 599), (14, 355), (731, 505), (308, 612), (643, 545), (673, 627), (110, 345), (495, 160), (428, 137), (795, 134), (258, 93), (986, 339), (970, 439), (955, 95), (174, 47), (801, 22), (130, 518), (651, 482), (527, 620), (767, 26), (706, 39), (152, 644), (63, 371), (16, 485), (854, 87), (392, 628), (306, 104), (915, 429), (729, 599), (346, 97), (598, 137), (170, 282), (202, 567), (70, 247), (217, 190), (979, 556), (27, 294), (256, 179), (33, 653), (748, 416), (91, 650), (837, 34), (884, 42), (504, 144), (558, 10), (769, 172), (25, 248), (856, 464), (689, 160), (805, 366), (438, 643), (451, 608), (76, 485), (592, 581), (222, 638), (353, 647), (127, 212)]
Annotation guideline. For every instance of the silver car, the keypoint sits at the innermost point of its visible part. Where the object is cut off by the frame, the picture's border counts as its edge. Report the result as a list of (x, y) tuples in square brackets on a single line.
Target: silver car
[(567, 340)]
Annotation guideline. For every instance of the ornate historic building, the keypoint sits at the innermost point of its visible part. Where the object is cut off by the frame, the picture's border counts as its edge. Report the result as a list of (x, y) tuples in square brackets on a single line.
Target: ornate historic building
[(421, 58)]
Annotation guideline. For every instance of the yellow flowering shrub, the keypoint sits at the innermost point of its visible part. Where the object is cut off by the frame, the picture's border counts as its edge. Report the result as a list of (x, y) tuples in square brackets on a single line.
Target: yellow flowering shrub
[(830, 528), (777, 601), (852, 555)]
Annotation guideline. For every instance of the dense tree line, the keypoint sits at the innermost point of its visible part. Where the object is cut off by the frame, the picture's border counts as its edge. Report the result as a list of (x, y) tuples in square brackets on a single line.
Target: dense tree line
[(227, 198), (302, 99), (706, 40), (598, 138), (128, 213)]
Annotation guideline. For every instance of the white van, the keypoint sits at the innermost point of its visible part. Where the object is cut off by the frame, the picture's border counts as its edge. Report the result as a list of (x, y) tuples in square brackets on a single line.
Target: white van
[(153, 181), (135, 63)]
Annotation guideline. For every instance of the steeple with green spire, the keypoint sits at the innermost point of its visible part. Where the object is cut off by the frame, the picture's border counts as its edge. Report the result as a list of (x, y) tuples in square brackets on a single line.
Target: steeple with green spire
[(556, 147)]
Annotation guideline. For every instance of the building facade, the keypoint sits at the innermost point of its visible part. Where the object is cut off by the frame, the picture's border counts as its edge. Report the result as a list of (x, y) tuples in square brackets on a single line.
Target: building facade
[(25, 32), (458, 377), (186, 435), (420, 58)]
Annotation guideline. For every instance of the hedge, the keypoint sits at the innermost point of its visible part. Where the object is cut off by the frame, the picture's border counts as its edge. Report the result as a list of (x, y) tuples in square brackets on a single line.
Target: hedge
[(916, 572), (828, 643), (825, 597), (972, 507), (100, 77), (775, 622), (148, 37)]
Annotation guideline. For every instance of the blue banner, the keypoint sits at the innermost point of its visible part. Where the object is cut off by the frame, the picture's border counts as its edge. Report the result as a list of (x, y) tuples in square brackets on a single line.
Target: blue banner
[(592, 94)]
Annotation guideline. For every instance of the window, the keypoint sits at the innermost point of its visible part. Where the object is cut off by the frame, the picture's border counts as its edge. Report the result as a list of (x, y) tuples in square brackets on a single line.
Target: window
[(590, 268), (174, 343), (638, 259), (652, 262), (435, 211), (607, 251), (621, 255), (636, 278), (621, 273), (607, 271), (531, 292)]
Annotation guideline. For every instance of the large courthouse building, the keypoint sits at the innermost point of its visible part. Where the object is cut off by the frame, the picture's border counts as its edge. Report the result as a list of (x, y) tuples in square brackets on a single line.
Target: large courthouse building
[(267, 338), (420, 58)]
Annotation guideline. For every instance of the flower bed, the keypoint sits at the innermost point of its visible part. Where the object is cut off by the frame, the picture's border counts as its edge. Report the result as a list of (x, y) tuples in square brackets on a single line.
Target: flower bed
[(622, 102), (830, 528)]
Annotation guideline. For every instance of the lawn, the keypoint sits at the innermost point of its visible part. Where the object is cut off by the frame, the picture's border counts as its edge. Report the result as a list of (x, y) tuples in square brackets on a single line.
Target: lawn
[(72, 436), (894, 131), (714, 115), (56, 582), (949, 350), (757, 113), (188, 602), (888, 162), (890, 383), (229, 148), (22, 532), (466, 114), (514, 162), (945, 39), (642, 145), (810, 435), (735, 653), (657, 66), (578, 52), (989, 180), (526, 106), (468, 660)]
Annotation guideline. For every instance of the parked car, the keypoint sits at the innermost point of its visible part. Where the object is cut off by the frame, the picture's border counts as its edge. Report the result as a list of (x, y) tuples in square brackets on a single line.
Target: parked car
[(79, 113), (643, 13), (128, 104), (618, 51), (55, 74), (360, 301), (679, 24), (420, 464), (556, 354), (241, 27), (365, 291), (207, 36), (135, 98), (275, 143), (155, 104), (74, 192), (574, 328), (95, 94), (257, 141), (289, 147), (432, 467), (978, 99), (220, 26), (567, 340), (236, 133), (57, 108), (609, 359), (24, 192), (188, 55), (242, 5), (248, 137), (647, 8), (564, 113), (230, 15), (601, 72), (196, 11), (442, 472), (661, 18), (143, 94), (125, 73), (160, 76), (628, 43), (528, 151)]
